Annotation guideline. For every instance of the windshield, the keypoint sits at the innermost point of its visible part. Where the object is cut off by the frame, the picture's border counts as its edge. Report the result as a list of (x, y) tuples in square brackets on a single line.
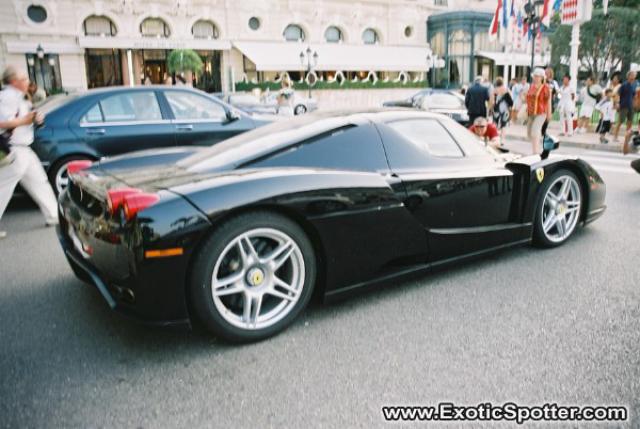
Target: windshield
[(263, 140)]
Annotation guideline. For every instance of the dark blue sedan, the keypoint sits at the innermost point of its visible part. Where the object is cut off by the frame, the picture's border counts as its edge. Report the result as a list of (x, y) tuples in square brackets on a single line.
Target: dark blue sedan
[(112, 121)]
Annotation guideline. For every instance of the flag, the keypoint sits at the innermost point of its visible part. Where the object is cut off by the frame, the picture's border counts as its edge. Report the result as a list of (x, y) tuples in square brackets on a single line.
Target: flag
[(505, 20), (546, 14), (493, 28), (557, 5)]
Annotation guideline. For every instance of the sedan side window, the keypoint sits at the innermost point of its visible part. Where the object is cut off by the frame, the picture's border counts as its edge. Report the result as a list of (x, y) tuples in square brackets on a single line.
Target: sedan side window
[(131, 107), (428, 136), (93, 115), (187, 106)]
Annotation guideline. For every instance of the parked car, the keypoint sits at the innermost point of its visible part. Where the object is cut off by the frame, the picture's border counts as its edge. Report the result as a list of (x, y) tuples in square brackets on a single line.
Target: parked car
[(269, 103), (116, 120), (447, 102), (239, 235)]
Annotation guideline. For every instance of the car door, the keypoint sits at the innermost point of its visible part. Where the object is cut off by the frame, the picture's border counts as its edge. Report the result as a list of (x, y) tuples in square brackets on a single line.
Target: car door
[(200, 120), (124, 122), (463, 199)]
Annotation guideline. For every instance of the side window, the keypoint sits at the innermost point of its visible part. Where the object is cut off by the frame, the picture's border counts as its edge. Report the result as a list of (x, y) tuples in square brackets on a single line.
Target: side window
[(445, 101), (428, 136), (355, 148), (187, 106), (93, 115), (130, 107)]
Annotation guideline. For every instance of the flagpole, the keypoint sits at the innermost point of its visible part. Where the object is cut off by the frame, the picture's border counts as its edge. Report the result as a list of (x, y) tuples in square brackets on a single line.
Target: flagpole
[(573, 62)]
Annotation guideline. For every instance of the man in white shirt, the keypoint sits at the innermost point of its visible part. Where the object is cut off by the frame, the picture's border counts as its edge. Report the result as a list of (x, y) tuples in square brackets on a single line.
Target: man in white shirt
[(22, 165), (566, 106)]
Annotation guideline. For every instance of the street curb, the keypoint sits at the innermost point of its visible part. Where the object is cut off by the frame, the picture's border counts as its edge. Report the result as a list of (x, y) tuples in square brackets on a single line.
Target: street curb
[(609, 147)]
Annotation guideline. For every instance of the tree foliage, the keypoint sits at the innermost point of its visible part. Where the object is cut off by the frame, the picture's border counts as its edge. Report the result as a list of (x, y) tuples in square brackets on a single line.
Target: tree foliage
[(605, 42), (183, 60)]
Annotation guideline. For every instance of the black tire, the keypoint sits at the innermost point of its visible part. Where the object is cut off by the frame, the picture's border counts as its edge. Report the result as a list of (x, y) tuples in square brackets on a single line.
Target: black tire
[(59, 164), (300, 109), (540, 239), (201, 296)]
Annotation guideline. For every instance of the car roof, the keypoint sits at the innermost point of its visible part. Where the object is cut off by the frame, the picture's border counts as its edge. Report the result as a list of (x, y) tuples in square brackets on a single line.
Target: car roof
[(280, 134)]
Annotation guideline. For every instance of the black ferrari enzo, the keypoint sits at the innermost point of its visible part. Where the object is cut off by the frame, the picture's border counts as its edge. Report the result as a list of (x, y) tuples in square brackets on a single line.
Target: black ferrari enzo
[(240, 234)]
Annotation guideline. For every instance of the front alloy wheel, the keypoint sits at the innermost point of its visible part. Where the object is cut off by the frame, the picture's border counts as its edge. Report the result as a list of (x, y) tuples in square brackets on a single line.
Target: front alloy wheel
[(559, 212), (255, 274)]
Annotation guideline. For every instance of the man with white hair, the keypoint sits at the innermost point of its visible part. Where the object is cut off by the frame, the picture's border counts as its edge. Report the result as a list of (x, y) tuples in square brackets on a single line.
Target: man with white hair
[(22, 164)]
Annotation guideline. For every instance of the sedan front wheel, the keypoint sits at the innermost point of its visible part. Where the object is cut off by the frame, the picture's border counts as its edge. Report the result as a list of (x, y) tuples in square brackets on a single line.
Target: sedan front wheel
[(253, 276)]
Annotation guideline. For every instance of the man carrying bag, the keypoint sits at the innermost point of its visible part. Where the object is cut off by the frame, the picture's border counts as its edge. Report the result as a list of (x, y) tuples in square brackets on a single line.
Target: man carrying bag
[(19, 163)]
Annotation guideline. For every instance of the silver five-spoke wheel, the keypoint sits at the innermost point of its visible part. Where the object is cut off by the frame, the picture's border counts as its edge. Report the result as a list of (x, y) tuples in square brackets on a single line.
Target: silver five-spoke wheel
[(561, 208), (258, 278), (61, 178)]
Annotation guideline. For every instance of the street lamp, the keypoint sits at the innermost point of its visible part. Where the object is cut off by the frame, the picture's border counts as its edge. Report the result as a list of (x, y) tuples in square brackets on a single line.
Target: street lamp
[(40, 55), (533, 11), (310, 58)]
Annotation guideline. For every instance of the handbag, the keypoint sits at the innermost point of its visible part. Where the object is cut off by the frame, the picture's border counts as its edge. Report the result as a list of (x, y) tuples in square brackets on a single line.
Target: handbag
[(549, 143)]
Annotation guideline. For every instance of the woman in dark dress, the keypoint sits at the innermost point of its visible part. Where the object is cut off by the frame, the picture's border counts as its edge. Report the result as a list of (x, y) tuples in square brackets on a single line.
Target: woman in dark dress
[(502, 105)]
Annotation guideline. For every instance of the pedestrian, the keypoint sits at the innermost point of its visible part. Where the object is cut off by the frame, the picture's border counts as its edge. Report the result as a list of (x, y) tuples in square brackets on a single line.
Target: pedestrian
[(487, 132), (566, 106), (502, 105), (285, 97), (37, 95), (607, 115), (538, 108), (626, 111), (554, 88), (516, 90), (588, 98), (476, 99), (17, 119)]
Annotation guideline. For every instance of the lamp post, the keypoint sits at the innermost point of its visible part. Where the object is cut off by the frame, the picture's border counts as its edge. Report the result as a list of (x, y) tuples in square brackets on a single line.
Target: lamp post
[(431, 64), (533, 10), (40, 55), (310, 58)]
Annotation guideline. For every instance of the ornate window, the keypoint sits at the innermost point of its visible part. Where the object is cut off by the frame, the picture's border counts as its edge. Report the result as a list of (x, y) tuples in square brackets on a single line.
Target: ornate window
[(408, 31), (481, 42), (437, 44), (370, 37), (459, 43), (204, 30), (99, 26), (37, 13), (254, 23), (154, 27), (333, 35), (293, 33)]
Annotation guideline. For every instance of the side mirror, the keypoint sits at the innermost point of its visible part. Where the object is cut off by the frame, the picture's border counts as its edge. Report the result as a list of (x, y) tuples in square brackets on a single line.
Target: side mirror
[(232, 115)]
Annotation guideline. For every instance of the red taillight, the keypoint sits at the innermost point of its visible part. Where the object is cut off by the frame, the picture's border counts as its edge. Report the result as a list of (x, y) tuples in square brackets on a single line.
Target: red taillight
[(79, 165), (133, 203), (115, 197)]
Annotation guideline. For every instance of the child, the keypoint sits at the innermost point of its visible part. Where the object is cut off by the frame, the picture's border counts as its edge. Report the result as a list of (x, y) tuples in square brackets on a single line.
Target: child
[(567, 106), (607, 115)]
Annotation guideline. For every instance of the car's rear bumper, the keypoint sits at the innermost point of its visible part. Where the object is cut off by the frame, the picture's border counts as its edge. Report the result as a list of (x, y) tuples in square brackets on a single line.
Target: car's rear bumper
[(112, 257), (119, 298)]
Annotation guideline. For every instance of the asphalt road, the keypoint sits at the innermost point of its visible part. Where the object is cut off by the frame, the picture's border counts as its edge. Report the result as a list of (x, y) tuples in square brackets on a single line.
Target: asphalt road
[(526, 325)]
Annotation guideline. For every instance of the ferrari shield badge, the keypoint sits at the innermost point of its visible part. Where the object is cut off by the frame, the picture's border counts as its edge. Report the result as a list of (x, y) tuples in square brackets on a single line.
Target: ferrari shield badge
[(540, 174)]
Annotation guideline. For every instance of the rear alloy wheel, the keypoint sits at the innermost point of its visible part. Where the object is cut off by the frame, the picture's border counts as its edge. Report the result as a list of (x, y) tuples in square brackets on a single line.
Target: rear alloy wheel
[(559, 209), (58, 175), (253, 276), (300, 109)]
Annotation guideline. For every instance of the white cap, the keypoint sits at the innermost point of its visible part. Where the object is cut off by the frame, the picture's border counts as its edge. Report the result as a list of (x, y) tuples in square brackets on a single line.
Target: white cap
[(538, 71)]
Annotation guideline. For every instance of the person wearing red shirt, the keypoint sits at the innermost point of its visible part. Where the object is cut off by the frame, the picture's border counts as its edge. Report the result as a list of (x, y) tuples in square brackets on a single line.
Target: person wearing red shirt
[(486, 131), (538, 108)]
